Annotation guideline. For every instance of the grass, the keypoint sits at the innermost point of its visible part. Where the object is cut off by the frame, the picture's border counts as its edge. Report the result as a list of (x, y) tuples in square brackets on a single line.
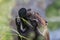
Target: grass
[(5, 8), (51, 12), (54, 9), (53, 25)]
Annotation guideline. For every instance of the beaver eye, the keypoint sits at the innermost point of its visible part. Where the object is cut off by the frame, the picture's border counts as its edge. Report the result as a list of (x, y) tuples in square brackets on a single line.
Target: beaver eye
[(46, 22)]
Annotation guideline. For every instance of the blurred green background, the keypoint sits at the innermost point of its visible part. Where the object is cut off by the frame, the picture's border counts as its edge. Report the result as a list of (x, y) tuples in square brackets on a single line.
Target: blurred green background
[(5, 10), (52, 13)]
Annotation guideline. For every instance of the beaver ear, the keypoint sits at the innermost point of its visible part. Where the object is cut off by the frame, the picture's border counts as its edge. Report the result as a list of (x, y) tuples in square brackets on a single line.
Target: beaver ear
[(28, 9)]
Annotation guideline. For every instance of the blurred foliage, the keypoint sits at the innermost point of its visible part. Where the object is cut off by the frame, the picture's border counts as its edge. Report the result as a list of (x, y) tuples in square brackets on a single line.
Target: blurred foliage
[(53, 25), (5, 8), (4, 1), (53, 11), (5, 33)]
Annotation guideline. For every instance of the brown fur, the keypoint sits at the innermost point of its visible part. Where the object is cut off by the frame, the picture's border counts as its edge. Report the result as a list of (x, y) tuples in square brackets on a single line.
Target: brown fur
[(42, 22)]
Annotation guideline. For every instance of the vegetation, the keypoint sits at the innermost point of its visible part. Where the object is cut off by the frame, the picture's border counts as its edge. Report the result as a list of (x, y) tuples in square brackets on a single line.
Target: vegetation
[(5, 7), (53, 11)]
